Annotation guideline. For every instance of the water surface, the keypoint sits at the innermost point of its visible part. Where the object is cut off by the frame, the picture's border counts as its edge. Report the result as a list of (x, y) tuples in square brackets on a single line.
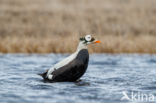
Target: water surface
[(105, 80)]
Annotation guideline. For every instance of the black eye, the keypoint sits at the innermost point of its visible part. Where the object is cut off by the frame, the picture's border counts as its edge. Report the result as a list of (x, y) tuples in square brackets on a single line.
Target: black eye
[(88, 38)]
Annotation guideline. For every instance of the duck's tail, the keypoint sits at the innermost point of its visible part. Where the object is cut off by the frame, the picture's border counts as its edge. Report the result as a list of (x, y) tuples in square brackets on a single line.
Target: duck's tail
[(43, 75)]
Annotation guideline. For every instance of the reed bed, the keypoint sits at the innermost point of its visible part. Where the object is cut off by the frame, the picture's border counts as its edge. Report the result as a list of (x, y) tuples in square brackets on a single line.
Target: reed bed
[(109, 44), (45, 26)]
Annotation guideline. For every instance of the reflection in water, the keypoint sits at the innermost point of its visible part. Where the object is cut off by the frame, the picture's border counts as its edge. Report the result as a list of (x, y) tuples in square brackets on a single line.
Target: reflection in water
[(82, 83)]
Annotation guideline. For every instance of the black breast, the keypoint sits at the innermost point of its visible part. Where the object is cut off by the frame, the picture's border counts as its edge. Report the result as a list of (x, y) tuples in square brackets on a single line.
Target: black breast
[(74, 70), (83, 56)]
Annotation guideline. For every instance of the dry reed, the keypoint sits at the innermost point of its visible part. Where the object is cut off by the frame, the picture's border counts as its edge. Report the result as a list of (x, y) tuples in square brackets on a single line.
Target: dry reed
[(44, 26)]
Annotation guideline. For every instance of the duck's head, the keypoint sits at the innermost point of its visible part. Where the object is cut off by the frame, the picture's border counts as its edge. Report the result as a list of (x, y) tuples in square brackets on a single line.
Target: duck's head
[(88, 39)]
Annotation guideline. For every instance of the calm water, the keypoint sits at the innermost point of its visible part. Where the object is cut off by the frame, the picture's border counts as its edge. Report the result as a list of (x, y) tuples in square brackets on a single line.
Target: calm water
[(107, 77)]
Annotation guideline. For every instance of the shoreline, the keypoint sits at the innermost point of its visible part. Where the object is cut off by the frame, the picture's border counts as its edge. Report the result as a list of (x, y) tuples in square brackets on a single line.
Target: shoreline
[(109, 44)]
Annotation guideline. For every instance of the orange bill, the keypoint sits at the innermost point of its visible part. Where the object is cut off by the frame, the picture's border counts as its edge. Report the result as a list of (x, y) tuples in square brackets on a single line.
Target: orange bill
[(97, 41)]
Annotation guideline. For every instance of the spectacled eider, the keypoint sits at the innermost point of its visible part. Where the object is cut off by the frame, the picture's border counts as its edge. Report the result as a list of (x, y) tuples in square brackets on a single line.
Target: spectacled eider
[(73, 67)]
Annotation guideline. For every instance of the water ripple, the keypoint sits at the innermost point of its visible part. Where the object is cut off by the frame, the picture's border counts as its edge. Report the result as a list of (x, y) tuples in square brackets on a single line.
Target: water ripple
[(107, 76)]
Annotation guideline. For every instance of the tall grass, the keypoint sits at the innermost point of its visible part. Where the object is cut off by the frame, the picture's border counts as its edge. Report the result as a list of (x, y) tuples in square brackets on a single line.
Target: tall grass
[(44, 26)]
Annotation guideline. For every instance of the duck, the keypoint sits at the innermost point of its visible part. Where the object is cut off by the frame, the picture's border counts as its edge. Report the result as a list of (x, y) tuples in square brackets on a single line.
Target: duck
[(73, 67)]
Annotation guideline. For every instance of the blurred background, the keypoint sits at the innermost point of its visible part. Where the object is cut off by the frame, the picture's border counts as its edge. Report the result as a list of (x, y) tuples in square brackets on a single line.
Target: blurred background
[(55, 26)]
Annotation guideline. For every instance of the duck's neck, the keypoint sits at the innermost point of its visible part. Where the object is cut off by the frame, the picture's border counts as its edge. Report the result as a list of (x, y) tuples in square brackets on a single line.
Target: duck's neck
[(81, 46)]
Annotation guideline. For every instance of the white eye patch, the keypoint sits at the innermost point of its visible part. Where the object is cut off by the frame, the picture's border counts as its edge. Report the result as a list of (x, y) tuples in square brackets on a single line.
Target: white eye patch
[(88, 37)]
